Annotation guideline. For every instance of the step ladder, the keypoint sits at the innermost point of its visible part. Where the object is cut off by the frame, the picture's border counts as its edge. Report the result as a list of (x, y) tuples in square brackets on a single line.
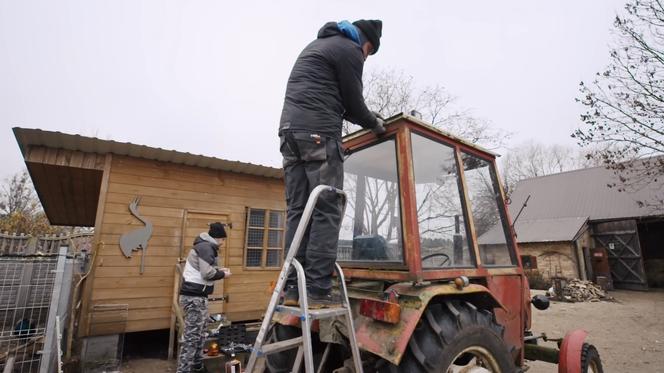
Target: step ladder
[(304, 346)]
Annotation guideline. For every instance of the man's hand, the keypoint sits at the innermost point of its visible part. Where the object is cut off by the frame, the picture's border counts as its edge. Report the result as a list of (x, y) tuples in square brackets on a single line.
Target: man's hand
[(378, 115), (227, 272), (380, 127)]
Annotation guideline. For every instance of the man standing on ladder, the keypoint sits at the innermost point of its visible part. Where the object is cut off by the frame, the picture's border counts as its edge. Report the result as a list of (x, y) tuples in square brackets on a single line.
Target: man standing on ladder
[(324, 88)]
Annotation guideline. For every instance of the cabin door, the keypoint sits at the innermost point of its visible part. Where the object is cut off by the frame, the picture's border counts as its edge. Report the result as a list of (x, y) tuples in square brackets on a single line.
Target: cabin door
[(194, 223)]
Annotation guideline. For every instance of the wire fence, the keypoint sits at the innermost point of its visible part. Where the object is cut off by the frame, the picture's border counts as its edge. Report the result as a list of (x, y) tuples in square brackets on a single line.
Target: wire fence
[(36, 275), (25, 288)]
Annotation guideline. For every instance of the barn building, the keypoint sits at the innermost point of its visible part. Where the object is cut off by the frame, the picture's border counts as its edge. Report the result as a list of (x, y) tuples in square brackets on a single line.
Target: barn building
[(572, 219)]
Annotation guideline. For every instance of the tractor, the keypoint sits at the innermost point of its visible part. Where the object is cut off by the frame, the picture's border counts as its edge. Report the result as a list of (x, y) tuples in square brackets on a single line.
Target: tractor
[(431, 264)]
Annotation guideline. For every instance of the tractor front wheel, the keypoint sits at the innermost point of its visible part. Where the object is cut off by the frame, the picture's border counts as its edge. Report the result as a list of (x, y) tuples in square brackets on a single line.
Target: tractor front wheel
[(590, 361), (454, 336)]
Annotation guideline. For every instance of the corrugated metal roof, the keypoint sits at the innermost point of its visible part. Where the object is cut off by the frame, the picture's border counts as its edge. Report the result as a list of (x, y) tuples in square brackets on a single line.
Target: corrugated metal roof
[(35, 137), (583, 193), (538, 230)]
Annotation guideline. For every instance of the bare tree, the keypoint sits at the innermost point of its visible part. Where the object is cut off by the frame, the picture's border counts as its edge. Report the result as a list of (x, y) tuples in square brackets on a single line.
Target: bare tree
[(390, 92), (18, 195), (532, 159), (625, 102), (20, 209)]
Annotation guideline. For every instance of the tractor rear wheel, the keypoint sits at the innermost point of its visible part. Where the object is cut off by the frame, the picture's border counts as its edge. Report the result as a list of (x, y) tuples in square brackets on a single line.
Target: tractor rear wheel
[(281, 362), (590, 361), (454, 336)]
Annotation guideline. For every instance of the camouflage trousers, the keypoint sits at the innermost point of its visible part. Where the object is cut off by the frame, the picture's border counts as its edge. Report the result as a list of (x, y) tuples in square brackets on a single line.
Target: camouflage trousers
[(195, 321)]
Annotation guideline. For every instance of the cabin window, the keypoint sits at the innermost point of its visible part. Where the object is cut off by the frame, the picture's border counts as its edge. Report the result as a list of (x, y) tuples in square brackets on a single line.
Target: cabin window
[(440, 218), (371, 227), (488, 211), (265, 238)]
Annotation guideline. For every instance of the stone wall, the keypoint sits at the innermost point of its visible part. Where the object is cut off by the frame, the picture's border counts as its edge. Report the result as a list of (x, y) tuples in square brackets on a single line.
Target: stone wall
[(553, 258)]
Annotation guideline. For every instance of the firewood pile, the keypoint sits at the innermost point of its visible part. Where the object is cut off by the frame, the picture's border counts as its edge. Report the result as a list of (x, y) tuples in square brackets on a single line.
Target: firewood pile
[(583, 291)]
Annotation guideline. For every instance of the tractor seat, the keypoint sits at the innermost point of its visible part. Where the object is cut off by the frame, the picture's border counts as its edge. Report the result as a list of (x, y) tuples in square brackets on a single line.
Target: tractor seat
[(369, 247)]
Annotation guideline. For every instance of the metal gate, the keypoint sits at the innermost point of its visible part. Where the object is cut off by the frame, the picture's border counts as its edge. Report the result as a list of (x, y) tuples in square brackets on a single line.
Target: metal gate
[(621, 240)]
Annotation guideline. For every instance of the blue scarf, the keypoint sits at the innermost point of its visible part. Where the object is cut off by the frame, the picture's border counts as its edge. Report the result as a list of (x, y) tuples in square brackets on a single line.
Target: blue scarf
[(350, 31)]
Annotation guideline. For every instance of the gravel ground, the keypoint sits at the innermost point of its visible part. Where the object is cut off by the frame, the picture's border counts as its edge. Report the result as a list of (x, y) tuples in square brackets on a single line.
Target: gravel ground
[(629, 333)]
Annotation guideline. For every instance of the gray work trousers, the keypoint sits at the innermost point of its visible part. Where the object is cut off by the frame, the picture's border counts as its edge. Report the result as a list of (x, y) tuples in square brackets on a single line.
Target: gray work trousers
[(311, 160)]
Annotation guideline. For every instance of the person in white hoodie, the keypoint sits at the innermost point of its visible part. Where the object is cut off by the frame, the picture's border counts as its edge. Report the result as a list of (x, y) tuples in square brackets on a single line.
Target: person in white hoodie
[(200, 273)]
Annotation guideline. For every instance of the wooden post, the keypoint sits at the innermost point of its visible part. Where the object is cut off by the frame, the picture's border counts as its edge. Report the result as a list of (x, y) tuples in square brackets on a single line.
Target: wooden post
[(176, 315)]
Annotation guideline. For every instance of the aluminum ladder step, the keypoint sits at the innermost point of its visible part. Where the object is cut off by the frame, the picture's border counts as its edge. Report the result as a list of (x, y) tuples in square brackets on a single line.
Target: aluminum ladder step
[(280, 346), (316, 314)]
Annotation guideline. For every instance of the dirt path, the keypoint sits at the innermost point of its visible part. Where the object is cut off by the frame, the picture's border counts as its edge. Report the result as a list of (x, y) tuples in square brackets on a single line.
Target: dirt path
[(629, 333)]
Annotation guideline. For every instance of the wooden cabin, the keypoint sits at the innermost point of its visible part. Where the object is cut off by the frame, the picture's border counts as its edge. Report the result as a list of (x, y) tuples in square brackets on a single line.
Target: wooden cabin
[(90, 182)]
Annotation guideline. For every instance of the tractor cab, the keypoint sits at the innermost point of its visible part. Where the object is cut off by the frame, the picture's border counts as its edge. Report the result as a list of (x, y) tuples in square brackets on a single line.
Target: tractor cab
[(430, 262), (422, 205)]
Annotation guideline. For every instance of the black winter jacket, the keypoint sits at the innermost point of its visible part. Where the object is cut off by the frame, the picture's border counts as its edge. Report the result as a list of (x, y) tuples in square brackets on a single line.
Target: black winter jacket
[(325, 86)]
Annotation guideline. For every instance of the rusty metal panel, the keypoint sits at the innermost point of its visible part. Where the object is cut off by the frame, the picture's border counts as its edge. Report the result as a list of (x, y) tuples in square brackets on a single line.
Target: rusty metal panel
[(508, 290), (389, 341)]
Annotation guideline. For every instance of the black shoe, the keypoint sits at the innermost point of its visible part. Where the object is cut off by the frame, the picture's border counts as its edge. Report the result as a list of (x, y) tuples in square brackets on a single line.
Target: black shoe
[(329, 300), (200, 369), (291, 296)]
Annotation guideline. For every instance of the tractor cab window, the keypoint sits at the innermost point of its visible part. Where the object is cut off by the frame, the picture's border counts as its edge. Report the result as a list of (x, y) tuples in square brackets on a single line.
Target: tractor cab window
[(440, 218), (489, 217), (371, 226)]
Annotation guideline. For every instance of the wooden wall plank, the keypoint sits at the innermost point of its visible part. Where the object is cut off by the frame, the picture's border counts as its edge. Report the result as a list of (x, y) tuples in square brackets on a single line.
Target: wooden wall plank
[(172, 251), (149, 260), (147, 211), (129, 326), (67, 158), (137, 303), (220, 202), (129, 293), (86, 292), (133, 282)]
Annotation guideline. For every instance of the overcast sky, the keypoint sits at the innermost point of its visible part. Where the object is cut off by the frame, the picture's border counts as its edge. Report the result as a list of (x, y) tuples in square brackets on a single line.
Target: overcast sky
[(208, 77)]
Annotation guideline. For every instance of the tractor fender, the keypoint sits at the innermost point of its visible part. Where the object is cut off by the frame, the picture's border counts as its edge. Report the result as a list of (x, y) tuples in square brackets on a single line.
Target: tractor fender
[(389, 341), (569, 359)]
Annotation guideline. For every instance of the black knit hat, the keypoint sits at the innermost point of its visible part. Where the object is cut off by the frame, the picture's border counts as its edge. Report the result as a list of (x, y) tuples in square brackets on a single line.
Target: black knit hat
[(217, 230), (372, 29)]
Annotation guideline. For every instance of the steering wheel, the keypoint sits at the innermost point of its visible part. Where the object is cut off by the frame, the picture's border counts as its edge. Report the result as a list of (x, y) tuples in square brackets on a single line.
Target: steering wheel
[(445, 261)]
